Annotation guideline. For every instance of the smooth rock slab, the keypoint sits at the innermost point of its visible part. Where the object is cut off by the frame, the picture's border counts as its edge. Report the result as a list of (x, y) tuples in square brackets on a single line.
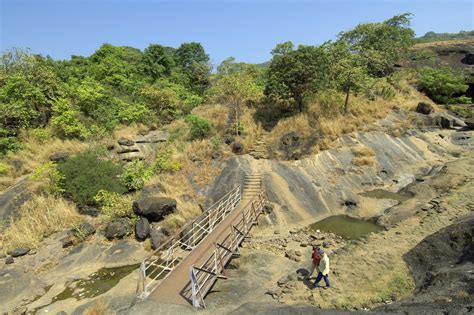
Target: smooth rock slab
[(20, 251)]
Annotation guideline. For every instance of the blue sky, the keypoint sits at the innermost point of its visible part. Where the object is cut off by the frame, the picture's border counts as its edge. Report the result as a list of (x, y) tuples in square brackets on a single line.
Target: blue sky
[(246, 29)]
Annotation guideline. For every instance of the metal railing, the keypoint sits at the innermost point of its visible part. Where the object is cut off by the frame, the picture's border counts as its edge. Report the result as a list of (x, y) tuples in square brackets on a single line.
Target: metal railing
[(204, 276), (158, 265)]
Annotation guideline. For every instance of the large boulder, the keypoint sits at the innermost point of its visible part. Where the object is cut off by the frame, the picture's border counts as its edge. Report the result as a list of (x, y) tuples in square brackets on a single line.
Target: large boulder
[(446, 123), (154, 208), (126, 142), (142, 229), (59, 157), (118, 228), (237, 148), (20, 251), (84, 230), (424, 108)]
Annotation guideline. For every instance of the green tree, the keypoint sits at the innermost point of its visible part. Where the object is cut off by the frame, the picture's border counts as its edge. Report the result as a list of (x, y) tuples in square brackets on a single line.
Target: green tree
[(194, 63), (348, 71), (442, 85), (381, 44), (293, 74), (29, 86), (236, 89), (157, 61)]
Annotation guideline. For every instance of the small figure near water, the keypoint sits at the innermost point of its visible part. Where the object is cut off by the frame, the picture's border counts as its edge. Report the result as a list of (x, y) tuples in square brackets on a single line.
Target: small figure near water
[(315, 259), (323, 268)]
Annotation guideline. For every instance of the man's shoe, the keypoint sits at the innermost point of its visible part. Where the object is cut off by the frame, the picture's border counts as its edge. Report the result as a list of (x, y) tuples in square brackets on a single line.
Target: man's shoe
[(327, 287)]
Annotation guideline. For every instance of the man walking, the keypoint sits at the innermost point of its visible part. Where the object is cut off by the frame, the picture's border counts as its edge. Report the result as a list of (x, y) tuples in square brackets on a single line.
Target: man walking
[(315, 259), (323, 269)]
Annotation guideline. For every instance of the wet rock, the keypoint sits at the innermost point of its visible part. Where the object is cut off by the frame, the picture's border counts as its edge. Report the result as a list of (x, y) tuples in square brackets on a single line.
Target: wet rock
[(9, 260), (424, 108), (154, 208), (237, 148), (126, 142), (142, 229), (59, 157), (117, 229), (84, 230), (20, 251)]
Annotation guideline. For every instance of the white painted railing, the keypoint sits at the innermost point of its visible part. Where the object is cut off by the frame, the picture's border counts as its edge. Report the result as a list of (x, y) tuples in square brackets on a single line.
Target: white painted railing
[(164, 259)]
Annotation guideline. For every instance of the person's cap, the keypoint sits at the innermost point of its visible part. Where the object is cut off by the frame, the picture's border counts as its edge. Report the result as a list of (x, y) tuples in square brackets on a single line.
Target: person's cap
[(321, 251)]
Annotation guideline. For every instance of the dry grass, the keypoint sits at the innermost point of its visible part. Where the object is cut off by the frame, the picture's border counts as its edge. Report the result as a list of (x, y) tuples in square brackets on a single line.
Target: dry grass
[(361, 116), (175, 186), (363, 151), (216, 114), (363, 161), (98, 308), (129, 132), (444, 43), (252, 130), (38, 218), (36, 152)]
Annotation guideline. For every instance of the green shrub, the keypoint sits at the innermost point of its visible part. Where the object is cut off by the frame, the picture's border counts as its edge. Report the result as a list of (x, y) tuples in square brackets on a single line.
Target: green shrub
[(66, 119), (164, 161), (114, 205), (200, 127), (216, 143), (442, 85), (463, 111), (41, 135), (49, 174), (135, 174), (8, 144), (4, 168), (85, 175), (383, 89)]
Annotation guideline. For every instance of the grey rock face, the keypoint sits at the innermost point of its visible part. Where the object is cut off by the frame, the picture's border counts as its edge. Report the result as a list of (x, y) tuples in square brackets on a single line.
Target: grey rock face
[(118, 229), (20, 251), (9, 260), (154, 208), (142, 229)]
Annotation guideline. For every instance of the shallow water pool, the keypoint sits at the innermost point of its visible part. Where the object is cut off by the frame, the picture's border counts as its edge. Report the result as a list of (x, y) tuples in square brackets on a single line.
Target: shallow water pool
[(345, 226)]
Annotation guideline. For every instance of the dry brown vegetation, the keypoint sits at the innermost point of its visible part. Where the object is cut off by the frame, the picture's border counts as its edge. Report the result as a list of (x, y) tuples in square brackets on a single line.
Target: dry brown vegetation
[(324, 118), (38, 218)]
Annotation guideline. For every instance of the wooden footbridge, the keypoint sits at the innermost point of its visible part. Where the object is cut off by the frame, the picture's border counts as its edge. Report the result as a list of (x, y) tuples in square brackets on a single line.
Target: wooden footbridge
[(184, 268)]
